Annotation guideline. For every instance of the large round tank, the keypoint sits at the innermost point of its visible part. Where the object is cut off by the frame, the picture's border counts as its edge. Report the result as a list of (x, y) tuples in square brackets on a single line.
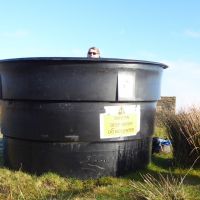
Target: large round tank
[(78, 117)]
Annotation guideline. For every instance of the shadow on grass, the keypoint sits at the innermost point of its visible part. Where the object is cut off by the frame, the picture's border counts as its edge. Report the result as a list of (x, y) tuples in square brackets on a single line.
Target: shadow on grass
[(164, 161), (1, 159)]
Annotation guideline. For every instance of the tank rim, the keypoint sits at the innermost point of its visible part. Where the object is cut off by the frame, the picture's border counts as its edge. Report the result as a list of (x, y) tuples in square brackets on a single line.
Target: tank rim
[(82, 60)]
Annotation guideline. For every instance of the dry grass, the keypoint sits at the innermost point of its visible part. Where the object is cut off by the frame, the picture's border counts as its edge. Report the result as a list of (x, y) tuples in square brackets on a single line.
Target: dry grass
[(184, 131), (159, 188)]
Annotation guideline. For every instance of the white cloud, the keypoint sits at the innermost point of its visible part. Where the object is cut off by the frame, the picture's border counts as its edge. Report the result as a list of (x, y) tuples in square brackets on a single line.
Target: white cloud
[(15, 34), (181, 79), (122, 32), (193, 34)]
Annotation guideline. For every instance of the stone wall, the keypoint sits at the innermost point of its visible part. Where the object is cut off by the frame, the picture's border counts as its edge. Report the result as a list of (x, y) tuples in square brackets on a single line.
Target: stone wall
[(165, 104)]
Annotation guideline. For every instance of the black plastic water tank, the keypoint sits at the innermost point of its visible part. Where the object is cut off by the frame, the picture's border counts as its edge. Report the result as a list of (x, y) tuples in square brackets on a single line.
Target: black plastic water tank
[(78, 117)]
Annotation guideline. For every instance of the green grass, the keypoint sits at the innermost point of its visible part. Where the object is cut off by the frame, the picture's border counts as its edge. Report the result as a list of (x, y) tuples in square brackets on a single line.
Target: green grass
[(22, 186), (161, 132)]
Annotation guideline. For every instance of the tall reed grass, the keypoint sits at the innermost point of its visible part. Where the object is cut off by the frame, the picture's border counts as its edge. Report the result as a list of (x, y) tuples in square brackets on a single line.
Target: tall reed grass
[(184, 131)]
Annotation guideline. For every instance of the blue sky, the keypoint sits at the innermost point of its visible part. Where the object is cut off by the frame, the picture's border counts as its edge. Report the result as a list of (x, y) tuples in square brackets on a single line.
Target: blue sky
[(156, 30)]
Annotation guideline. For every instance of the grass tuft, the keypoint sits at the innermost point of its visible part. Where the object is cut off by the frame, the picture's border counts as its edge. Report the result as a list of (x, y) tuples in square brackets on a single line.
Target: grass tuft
[(161, 188)]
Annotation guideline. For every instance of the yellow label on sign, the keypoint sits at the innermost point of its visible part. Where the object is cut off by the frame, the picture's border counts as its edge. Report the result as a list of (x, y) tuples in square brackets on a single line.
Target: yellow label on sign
[(119, 122)]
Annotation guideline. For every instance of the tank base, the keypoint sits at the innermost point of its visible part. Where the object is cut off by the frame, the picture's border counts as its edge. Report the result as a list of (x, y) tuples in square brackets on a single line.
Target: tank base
[(79, 159)]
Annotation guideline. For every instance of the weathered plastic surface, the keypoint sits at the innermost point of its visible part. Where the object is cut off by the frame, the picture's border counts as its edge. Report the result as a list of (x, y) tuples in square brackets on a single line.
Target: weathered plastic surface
[(78, 159), (65, 122), (78, 79), (51, 111)]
